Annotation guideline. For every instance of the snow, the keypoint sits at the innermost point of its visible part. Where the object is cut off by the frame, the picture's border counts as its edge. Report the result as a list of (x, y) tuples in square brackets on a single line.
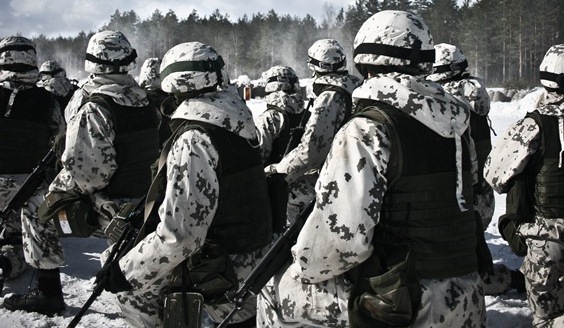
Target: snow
[(505, 311)]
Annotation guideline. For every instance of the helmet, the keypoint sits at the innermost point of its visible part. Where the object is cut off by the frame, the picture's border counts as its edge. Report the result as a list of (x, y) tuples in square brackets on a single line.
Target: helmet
[(552, 69), (109, 52), (17, 54), (149, 77), (52, 68), (281, 78), (326, 55), (192, 66), (449, 62), (394, 38)]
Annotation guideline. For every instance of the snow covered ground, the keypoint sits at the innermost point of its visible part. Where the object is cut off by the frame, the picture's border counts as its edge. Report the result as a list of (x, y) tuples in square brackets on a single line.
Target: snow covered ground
[(506, 311)]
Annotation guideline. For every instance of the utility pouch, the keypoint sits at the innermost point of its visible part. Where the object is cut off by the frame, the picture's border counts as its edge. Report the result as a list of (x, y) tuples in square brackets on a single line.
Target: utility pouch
[(72, 214), (278, 192), (210, 273), (389, 299), (182, 310), (508, 225)]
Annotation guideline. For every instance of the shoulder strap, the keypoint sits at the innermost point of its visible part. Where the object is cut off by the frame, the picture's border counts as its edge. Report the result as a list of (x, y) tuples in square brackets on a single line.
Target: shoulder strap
[(376, 113)]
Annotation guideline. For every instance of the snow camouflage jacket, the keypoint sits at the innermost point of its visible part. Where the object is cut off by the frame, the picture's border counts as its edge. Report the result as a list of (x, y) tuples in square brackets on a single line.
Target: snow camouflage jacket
[(90, 127), (191, 197), (473, 91), (326, 118), (349, 194), (271, 122), (509, 157)]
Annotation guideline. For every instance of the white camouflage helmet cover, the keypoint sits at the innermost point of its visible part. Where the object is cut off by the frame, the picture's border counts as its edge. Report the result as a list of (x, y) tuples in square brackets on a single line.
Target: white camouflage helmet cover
[(281, 78), (192, 66), (149, 75), (326, 55), (552, 68), (51, 67), (54, 78), (109, 52), (17, 54), (449, 62), (396, 33)]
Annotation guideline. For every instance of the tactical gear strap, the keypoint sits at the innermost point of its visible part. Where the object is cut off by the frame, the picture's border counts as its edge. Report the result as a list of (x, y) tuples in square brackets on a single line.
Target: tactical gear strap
[(116, 63), (450, 67), (212, 65), (17, 47), (415, 55), (333, 67), (556, 78)]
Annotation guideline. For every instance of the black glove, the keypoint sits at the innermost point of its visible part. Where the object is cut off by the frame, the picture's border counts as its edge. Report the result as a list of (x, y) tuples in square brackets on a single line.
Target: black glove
[(115, 280)]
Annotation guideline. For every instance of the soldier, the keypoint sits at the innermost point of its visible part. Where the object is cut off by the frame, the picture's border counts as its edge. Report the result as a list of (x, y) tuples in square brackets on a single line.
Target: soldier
[(284, 109), (528, 159), (208, 169), (54, 79), (29, 122), (111, 141), (393, 202), (332, 86), (150, 80), (451, 71)]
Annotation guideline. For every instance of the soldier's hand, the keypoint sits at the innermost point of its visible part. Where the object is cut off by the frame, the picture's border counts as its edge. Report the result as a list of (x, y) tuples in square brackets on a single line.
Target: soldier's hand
[(116, 281)]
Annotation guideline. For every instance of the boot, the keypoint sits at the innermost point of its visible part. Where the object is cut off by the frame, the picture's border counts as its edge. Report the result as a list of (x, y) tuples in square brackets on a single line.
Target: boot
[(46, 299), (517, 281)]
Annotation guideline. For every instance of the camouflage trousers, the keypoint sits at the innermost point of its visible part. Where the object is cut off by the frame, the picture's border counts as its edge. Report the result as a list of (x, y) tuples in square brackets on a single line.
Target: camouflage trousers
[(499, 282), (446, 303), (144, 307), (286, 302), (543, 268), (42, 248)]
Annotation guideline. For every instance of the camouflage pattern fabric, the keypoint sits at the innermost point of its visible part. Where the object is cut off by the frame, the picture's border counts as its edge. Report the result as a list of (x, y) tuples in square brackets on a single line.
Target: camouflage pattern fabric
[(543, 265), (85, 172), (187, 211), (149, 76), (10, 183), (473, 91), (337, 235), (303, 163), (270, 122), (54, 79)]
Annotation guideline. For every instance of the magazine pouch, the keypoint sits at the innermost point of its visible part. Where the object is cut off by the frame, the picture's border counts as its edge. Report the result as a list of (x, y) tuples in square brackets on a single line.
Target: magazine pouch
[(389, 298), (72, 214)]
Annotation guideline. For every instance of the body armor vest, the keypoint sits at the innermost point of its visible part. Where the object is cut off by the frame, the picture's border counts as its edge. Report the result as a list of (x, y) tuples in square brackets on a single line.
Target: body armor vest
[(549, 180), (420, 205), (137, 146), (243, 219), (280, 144), (24, 129)]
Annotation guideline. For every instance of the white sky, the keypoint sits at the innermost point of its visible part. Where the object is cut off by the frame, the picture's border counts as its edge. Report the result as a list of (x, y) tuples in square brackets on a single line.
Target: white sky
[(68, 17)]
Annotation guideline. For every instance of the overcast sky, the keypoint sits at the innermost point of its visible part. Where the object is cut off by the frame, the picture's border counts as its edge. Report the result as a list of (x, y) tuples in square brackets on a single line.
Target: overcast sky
[(68, 17)]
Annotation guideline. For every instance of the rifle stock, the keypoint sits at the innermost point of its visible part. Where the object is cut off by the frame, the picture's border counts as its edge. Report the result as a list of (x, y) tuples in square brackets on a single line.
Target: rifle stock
[(123, 245), (30, 185), (277, 256)]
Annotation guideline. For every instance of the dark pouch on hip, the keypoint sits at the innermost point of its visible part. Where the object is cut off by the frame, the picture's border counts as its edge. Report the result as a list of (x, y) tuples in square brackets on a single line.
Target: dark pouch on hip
[(389, 299), (72, 214)]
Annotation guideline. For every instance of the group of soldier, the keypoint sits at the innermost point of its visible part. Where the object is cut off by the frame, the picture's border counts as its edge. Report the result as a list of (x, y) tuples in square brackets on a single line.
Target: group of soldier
[(398, 164)]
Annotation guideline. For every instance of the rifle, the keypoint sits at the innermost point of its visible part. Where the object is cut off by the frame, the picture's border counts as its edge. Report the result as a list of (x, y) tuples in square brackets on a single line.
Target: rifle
[(297, 132), (126, 227), (277, 256), (30, 185)]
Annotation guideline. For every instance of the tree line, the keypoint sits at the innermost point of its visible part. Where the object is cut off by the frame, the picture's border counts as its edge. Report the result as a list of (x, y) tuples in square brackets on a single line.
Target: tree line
[(504, 40)]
